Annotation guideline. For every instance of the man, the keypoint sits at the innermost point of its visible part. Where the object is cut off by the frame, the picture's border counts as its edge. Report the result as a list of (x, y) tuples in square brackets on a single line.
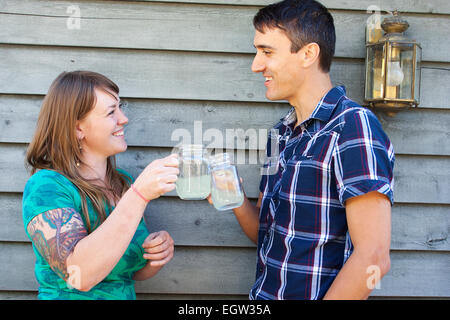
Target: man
[(322, 220)]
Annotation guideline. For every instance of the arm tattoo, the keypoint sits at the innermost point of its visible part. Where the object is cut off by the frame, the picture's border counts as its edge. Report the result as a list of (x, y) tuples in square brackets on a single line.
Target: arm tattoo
[(55, 234)]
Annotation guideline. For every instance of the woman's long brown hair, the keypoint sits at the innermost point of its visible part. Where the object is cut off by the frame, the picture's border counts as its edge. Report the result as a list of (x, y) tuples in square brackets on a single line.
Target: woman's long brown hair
[(55, 146)]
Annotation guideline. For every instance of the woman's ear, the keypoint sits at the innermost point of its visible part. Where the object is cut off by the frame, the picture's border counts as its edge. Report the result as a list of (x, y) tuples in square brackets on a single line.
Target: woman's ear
[(79, 131)]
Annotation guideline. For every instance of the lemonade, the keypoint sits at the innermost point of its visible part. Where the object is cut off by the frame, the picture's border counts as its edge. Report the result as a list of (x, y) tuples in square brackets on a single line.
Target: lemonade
[(193, 187), (226, 191)]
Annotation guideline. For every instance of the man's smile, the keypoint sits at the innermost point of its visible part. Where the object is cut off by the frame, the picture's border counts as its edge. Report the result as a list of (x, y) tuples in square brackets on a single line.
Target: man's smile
[(268, 79)]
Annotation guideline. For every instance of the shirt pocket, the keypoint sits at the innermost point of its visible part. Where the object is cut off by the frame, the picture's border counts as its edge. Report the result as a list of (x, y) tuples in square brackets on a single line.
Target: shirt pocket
[(309, 174), (305, 179)]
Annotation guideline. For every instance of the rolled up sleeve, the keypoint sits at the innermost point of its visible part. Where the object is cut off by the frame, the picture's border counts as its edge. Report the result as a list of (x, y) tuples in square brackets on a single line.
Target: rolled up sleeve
[(364, 157)]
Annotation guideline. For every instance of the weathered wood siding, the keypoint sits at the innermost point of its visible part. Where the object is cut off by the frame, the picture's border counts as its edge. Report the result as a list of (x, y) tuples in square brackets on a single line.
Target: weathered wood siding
[(181, 61)]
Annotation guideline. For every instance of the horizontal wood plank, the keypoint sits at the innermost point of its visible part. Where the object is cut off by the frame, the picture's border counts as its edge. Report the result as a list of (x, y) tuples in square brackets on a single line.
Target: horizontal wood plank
[(176, 75), (420, 227), (196, 223), (418, 179), (411, 274), (435, 6), (200, 270), (190, 27), (18, 295), (162, 123), (149, 74), (32, 295), (418, 131)]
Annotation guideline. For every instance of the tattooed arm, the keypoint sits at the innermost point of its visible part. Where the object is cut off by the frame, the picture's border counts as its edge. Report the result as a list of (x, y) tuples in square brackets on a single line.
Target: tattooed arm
[(83, 260), (55, 234)]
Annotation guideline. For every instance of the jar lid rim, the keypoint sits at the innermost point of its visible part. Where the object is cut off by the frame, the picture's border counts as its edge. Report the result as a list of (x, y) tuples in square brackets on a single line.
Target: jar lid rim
[(193, 146), (220, 158)]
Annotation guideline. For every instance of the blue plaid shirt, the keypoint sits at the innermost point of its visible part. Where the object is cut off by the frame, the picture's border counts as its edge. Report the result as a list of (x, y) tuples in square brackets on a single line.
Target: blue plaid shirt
[(339, 152)]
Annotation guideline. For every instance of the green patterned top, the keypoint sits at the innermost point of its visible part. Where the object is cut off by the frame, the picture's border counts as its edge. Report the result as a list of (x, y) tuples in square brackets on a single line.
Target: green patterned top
[(47, 190)]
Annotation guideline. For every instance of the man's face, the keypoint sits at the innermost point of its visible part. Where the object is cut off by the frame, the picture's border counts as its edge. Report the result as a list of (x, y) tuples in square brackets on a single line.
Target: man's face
[(280, 67)]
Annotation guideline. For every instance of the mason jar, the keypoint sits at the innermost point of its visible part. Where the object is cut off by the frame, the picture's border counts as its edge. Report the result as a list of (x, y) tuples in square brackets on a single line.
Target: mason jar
[(226, 189), (194, 181)]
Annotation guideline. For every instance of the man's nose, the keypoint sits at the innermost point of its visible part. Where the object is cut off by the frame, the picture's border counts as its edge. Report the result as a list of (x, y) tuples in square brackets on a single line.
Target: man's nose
[(257, 65)]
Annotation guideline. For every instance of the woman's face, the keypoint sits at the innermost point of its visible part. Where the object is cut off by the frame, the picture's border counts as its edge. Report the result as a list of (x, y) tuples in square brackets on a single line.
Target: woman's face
[(101, 131)]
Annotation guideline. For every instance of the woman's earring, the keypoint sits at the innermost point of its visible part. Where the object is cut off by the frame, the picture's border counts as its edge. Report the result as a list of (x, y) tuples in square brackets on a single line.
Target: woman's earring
[(79, 148)]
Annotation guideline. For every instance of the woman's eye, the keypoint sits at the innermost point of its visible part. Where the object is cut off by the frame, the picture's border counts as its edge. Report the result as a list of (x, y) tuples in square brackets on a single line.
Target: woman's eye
[(123, 105)]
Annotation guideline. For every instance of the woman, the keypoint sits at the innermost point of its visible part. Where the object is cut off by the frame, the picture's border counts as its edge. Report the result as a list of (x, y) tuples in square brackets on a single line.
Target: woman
[(83, 215)]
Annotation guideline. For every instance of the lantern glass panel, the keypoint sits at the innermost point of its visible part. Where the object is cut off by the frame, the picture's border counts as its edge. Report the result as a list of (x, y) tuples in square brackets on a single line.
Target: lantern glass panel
[(374, 72), (399, 71), (417, 75)]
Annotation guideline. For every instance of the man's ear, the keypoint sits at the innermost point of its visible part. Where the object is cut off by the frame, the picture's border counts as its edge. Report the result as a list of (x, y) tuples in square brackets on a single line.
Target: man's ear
[(310, 54)]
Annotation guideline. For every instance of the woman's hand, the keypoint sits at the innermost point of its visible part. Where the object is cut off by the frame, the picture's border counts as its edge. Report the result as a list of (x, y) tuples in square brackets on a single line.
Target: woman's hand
[(159, 248), (158, 177)]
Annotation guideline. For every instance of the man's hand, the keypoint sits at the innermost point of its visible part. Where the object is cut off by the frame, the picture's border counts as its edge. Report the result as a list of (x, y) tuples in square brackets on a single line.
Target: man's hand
[(225, 185), (248, 216)]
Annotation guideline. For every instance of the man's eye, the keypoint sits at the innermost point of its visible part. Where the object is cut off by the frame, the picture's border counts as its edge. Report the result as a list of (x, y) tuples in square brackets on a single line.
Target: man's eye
[(112, 112)]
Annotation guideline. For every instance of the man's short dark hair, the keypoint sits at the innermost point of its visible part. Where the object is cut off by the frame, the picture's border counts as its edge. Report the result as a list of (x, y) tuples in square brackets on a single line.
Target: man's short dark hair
[(303, 21)]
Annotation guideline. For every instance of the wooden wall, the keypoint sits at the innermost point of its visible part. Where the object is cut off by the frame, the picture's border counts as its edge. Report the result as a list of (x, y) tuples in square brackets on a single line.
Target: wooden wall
[(181, 61)]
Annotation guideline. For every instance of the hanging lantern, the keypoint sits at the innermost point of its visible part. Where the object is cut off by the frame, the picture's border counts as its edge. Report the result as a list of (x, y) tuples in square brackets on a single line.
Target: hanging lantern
[(392, 66)]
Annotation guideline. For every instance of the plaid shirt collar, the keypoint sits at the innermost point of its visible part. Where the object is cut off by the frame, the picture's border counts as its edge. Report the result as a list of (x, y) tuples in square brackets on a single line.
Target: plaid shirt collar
[(322, 111)]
